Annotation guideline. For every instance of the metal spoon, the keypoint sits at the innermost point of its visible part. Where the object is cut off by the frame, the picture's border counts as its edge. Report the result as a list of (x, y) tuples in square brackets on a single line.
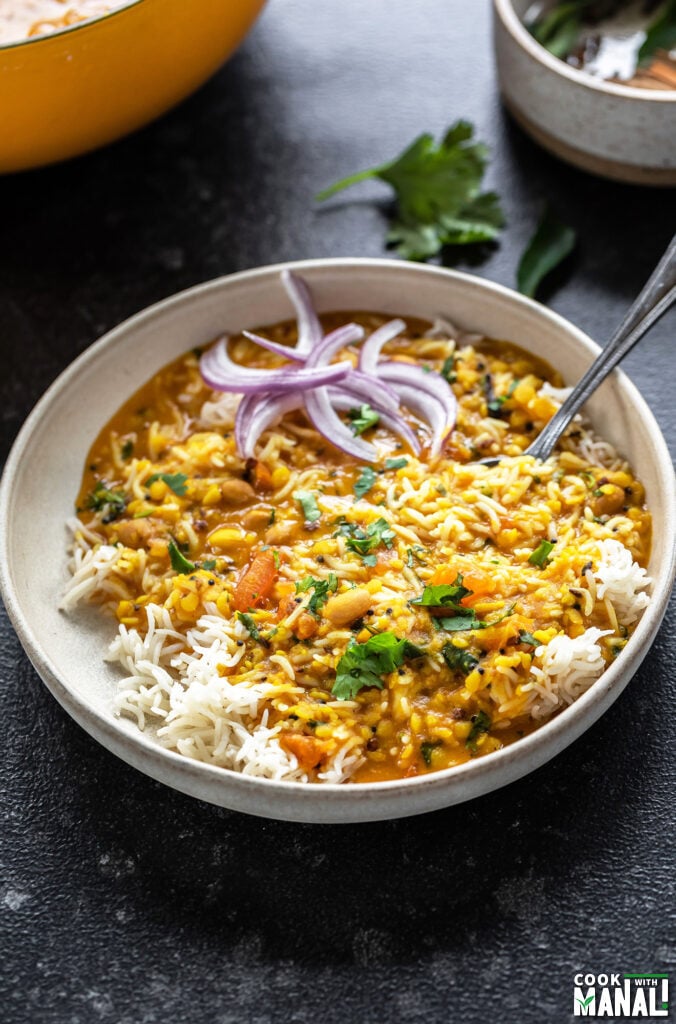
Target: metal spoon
[(654, 300)]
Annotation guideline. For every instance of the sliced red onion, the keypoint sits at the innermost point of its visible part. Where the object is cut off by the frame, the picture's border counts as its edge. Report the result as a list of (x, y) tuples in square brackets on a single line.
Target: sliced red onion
[(258, 412), (370, 351), (373, 391), (310, 381), (326, 420), (223, 374), (334, 342), (430, 410), (345, 400), (309, 328), (274, 346), (326, 349), (428, 381)]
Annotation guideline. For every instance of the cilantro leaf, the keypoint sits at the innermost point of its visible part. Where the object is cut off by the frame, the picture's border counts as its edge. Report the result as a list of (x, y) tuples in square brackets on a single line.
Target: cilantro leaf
[(127, 450), (363, 542), (548, 247), (467, 619), (459, 659), (438, 194), (540, 556), (396, 463), (412, 553), (481, 723), (209, 564), (366, 480), (528, 638), (363, 418), (444, 595), (308, 503), (249, 625), (179, 563), (321, 588), (177, 482), (364, 665), (111, 503), (448, 370), (426, 751)]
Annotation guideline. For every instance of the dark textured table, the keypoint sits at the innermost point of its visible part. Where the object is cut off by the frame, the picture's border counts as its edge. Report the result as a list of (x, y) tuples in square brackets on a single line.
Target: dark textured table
[(127, 903)]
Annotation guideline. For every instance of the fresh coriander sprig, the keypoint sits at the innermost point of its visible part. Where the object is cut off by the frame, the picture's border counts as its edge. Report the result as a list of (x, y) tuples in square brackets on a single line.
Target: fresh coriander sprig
[(438, 194)]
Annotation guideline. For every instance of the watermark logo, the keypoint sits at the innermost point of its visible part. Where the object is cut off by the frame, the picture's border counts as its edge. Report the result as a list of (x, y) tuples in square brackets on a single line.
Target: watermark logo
[(621, 995)]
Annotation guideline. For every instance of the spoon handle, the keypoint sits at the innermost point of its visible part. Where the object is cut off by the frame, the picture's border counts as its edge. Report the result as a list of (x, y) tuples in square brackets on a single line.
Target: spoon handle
[(654, 300)]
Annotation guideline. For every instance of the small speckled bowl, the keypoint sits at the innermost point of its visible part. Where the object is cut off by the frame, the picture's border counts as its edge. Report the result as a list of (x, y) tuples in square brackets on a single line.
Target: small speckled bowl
[(613, 130), (48, 457)]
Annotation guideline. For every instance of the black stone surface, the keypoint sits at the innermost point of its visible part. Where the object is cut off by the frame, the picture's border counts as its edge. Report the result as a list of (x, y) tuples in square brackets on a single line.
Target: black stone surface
[(126, 903)]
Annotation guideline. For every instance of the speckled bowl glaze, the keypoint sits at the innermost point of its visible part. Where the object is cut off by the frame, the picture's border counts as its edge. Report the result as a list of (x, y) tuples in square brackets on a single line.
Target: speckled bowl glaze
[(48, 456), (612, 130)]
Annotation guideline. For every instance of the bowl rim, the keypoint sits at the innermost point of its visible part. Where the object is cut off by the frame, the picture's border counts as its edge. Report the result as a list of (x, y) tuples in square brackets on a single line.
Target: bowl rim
[(565, 727), (516, 28), (67, 29)]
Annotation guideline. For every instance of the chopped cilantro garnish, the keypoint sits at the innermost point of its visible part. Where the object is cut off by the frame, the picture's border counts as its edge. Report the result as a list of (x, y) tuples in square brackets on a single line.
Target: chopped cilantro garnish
[(448, 370), (365, 664), (438, 194), (481, 723), (249, 625), (363, 418), (396, 463), (457, 658), (209, 565), (366, 480), (308, 503), (111, 503), (321, 588), (467, 619), (444, 595), (540, 556), (528, 638), (426, 751), (272, 516), (412, 553), (177, 482), (127, 450), (363, 542), (179, 563)]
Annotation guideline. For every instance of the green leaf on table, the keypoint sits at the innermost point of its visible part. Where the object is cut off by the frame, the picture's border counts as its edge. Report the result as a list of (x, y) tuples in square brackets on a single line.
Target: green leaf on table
[(548, 247), (438, 194)]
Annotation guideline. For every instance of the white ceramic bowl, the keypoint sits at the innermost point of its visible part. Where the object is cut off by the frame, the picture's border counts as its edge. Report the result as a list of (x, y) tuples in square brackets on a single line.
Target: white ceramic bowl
[(613, 130), (43, 472)]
